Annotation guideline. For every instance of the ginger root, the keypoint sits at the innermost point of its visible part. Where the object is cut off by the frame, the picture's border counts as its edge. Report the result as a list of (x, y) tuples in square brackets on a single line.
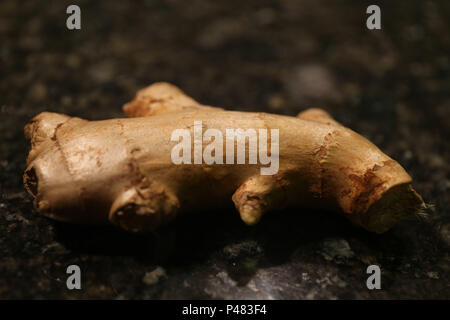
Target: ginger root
[(120, 170)]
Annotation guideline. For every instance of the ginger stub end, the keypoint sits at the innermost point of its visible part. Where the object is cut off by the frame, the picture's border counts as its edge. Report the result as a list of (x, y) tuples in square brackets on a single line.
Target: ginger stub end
[(397, 203)]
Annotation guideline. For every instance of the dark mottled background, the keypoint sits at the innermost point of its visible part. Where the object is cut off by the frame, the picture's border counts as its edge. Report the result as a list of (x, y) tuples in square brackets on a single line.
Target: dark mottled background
[(283, 56)]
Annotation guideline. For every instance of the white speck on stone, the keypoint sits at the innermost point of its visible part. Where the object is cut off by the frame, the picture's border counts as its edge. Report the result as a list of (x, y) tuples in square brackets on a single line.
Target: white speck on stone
[(305, 276), (433, 275), (226, 279), (151, 278), (312, 82), (336, 248), (311, 295), (252, 286), (54, 247), (339, 282)]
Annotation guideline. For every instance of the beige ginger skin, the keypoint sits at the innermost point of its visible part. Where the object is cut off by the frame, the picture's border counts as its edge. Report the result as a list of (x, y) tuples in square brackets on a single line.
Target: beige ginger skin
[(120, 170)]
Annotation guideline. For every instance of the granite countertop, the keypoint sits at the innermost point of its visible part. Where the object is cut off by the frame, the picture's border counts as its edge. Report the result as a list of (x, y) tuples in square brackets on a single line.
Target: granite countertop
[(391, 85)]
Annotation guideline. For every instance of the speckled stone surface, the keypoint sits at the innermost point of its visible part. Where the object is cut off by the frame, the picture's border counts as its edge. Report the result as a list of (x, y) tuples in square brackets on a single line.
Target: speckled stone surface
[(392, 86)]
